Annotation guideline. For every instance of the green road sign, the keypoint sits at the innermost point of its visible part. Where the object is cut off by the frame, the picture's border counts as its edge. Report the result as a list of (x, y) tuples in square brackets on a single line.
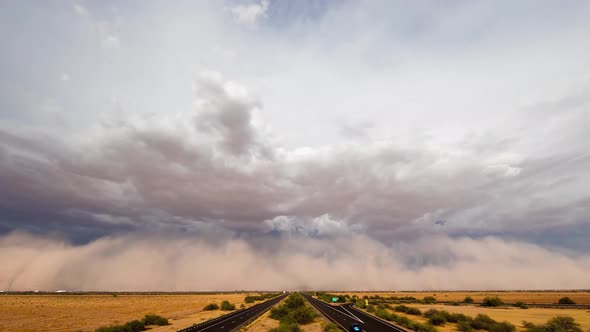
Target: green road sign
[(334, 299)]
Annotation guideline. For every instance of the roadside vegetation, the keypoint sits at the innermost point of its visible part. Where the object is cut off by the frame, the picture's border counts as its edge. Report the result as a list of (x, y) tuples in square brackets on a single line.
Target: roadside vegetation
[(492, 301), (225, 306), (566, 300), (211, 306), (261, 297), (292, 313), (556, 324), (465, 323), (136, 325)]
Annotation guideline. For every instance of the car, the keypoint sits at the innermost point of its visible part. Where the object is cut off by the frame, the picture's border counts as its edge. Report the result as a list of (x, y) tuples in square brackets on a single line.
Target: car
[(354, 327)]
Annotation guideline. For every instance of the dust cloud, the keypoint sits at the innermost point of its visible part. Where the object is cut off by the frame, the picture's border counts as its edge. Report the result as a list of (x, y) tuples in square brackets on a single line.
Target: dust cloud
[(182, 263)]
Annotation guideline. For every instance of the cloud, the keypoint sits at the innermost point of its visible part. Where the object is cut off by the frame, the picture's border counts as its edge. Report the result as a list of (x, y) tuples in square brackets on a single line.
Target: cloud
[(352, 262), (249, 14), (216, 165), (322, 226)]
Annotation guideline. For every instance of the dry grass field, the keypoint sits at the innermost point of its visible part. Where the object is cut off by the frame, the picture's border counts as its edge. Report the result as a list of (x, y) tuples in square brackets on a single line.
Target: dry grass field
[(87, 312), (542, 297), (513, 315)]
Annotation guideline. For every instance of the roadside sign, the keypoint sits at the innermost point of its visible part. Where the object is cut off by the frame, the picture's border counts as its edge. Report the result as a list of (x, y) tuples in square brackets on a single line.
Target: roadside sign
[(334, 299)]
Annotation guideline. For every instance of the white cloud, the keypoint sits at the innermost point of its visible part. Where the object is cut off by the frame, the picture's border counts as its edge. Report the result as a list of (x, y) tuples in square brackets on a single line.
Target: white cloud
[(249, 14)]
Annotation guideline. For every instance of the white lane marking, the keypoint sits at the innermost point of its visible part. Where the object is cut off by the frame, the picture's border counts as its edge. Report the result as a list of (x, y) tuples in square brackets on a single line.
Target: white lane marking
[(331, 307), (352, 314), (378, 319)]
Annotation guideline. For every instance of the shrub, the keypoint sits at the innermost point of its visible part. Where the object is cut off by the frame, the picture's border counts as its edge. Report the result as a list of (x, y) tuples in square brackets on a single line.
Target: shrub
[(566, 300), (330, 327), (303, 315), (152, 319), (502, 327), (286, 327), (521, 305), (294, 300), (278, 312), (429, 300), (249, 299), (414, 311), (211, 306), (562, 324), (468, 299), (464, 326), (494, 301), (437, 319), (132, 326), (226, 306)]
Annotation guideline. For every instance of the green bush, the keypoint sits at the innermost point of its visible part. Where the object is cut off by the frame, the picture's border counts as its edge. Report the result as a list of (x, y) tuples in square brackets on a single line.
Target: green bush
[(562, 324), (151, 319), (286, 327), (211, 306), (303, 315), (330, 327), (464, 326), (521, 305), (226, 306), (294, 300), (436, 317), (566, 300), (468, 299), (279, 312), (132, 326), (407, 310), (429, 300), (492, 301), (135, 325)]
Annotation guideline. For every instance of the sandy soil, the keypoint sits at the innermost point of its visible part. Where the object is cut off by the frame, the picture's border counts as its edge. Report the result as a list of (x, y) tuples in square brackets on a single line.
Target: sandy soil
[(581, 297), (64, 313)]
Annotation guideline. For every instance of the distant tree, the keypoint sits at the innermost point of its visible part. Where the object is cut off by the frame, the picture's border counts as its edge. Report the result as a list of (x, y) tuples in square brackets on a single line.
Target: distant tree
[(468, 299), (492, 301), (566, 300)]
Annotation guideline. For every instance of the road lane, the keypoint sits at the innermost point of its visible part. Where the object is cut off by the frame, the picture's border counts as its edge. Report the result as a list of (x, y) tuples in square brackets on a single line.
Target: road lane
[(235, 319), (346, 315)]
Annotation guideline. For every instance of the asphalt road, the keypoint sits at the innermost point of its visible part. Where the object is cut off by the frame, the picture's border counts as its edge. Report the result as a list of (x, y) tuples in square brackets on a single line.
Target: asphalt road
[(345, 315), (232, 320)]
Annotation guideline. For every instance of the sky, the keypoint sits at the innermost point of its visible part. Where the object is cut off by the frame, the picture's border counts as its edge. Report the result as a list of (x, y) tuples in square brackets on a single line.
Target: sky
[(275, 144)]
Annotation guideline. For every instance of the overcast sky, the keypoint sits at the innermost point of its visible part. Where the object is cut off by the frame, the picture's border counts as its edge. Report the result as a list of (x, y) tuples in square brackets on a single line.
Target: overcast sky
[(276, 144)]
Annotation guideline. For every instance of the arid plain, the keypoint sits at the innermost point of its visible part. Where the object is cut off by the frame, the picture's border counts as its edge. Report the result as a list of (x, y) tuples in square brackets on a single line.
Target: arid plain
[(67, 312)]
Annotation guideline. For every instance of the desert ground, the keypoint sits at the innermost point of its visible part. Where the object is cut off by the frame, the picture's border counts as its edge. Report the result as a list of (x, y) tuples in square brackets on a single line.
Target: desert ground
[(87, 312), (534, 297), (66, 313), (513, 315)]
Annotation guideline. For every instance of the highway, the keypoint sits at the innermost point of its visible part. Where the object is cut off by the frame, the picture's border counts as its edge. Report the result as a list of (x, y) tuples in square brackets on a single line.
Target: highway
[(234, 319), (345, 315)]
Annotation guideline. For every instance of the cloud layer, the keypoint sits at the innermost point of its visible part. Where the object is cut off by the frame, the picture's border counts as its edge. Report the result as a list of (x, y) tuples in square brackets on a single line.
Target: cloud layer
[(175, 263)]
